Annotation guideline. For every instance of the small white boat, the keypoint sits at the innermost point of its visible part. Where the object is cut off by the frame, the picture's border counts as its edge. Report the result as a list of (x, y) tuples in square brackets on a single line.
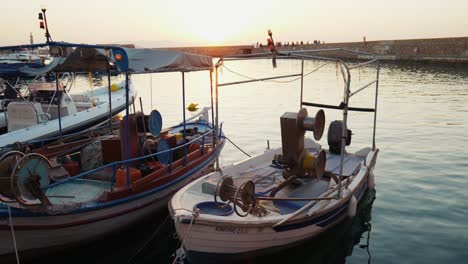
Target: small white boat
[(284, 196), (24, 120), (33, 107)]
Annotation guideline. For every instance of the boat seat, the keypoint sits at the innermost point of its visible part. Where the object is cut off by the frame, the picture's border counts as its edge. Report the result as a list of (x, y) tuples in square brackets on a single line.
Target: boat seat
[(22, 114), (80, 98), (53, 111)]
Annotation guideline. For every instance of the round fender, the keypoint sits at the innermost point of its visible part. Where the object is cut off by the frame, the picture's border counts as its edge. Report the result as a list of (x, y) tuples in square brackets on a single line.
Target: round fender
[(371, 181), (352, 207)]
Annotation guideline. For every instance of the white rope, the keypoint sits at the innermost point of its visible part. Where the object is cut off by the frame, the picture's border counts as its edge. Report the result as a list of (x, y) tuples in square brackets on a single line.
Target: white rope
[(275, 81), (194, 215), (13, 235)]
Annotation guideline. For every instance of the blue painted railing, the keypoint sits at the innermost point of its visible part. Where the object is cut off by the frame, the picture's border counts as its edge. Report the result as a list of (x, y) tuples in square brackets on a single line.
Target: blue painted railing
[(125, 162)]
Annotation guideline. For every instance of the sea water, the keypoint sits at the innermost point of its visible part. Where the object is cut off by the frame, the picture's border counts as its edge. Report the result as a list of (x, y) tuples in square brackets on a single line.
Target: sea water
[(420, 211)]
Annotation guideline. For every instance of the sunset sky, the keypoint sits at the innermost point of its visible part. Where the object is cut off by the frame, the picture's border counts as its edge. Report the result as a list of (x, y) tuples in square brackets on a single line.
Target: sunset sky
[(216, 22)]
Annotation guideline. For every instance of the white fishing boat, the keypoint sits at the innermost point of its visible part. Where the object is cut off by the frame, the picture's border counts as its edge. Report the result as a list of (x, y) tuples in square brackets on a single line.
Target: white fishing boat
[(286, 195), (41, 116), (34, 107), (69, 194)]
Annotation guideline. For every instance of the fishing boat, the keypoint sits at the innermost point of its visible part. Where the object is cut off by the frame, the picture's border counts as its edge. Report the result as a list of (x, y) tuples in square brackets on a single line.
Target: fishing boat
[(54, 197), (286, 195), (34, 107), (20, 56)]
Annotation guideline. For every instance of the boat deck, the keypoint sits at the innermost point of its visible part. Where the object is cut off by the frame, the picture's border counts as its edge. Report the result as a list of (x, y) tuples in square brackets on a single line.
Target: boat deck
[(266, 176)]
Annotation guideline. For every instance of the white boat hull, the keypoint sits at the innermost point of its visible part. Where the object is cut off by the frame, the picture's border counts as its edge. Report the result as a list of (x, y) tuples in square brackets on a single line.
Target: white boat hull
[(74, 122), (211, 237)]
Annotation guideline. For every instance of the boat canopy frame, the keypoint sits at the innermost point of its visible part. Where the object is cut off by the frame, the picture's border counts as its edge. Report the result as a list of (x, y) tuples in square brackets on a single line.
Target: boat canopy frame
[(314, 55)]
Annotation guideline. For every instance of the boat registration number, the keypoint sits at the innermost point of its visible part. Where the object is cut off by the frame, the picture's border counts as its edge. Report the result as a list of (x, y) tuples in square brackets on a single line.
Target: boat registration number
[(231, 229)]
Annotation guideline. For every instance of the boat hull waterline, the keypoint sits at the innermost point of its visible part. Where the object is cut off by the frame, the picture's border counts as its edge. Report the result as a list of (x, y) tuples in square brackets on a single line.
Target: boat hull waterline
[(51, 231)]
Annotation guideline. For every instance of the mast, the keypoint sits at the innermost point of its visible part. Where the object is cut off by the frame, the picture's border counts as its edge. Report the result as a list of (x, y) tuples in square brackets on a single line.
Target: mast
[(43, 24)]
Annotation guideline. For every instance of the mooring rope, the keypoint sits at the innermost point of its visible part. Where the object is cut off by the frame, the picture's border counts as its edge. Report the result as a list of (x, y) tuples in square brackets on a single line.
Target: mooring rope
[(237, 146), (149, 240), (13, 234), (195, 214), (276, 81)]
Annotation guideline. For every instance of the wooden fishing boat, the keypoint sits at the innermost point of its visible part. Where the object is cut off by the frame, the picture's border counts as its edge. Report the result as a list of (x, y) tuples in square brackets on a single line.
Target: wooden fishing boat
[(286, 195), (64, 195)]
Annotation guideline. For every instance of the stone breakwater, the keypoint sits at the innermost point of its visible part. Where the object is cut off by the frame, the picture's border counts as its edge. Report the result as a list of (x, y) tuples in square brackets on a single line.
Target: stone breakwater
[(450, 51), (453, 51)]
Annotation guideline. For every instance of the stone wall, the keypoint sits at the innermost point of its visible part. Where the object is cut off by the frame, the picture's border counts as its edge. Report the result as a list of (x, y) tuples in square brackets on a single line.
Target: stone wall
[(436, 50), (216, 51)]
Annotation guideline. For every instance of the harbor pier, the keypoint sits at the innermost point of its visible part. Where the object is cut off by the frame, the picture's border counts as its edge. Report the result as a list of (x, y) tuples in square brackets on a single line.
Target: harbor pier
[(445, 51)]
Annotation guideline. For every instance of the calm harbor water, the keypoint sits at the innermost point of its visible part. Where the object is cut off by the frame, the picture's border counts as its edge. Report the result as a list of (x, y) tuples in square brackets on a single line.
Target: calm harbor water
[(420, 213)]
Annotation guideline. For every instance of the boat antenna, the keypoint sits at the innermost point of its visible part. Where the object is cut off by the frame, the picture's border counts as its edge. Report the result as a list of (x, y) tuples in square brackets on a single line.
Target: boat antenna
[(43, 24), (271, 46)]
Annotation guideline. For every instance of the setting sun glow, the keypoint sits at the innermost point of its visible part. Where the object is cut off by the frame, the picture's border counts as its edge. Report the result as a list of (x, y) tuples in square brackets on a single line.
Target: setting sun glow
[(205, 22)]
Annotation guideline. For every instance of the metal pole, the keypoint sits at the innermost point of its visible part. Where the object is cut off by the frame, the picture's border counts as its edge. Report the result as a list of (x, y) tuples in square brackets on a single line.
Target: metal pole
[(212, 107), (302, 82), (127, 130), (183, 109), (344, 133), (110, 97), (47, 34), (216, 127), (375, 108), (259, 80), (59, 98)]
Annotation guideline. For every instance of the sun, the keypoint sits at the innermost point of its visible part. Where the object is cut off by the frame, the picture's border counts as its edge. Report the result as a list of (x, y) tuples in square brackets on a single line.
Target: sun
[(216, 33), (206, 23)]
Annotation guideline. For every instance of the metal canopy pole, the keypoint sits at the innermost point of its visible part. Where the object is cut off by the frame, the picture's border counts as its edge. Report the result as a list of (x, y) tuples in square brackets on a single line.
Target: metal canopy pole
[(344, 133), (257, 80), (212, 106), (217, 113), (127, 130), (375, 107), (59, 99), (183, 109), (302, 82), (110, 97)]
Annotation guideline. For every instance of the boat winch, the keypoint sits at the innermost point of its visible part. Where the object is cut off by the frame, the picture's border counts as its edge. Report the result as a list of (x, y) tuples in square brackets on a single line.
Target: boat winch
[(28, 178), (242, 196), (297, 160), (335, 138)]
